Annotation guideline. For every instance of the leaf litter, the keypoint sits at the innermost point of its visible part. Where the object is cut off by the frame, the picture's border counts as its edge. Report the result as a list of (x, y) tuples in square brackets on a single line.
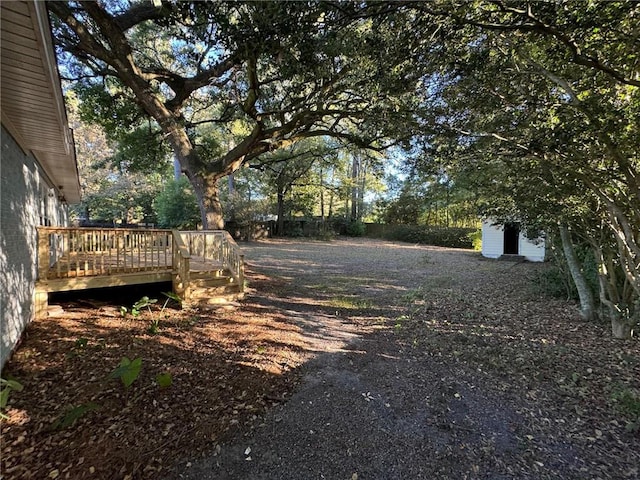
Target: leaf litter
[(478, 324)]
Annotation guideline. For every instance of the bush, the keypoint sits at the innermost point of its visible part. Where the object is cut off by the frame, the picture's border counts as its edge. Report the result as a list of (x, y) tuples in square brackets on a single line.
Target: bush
[(556, 281), (476, 239), (176, 205), (439, 236), (356, 229)]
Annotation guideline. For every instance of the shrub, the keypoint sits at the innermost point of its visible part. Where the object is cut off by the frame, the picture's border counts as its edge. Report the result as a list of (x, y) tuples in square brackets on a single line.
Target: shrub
[(439, 236), (356, 229), (556, 281), (176, 205), (476, 239)]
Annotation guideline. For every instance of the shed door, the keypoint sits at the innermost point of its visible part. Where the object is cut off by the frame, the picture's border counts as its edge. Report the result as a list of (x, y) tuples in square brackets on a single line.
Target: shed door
[(511, 237)]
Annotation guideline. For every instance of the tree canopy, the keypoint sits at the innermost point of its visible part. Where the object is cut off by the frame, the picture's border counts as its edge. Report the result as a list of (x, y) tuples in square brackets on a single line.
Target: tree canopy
[(260, 75)]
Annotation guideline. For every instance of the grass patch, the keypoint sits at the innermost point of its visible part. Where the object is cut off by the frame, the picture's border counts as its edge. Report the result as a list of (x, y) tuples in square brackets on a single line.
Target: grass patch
[(349, 302)]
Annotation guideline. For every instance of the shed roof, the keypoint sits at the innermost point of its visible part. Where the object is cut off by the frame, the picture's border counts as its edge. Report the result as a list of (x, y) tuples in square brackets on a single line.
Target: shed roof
[(31, 101)]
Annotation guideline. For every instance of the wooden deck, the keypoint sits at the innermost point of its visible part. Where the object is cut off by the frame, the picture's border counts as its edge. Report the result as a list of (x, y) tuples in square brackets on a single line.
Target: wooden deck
[(200, 264)]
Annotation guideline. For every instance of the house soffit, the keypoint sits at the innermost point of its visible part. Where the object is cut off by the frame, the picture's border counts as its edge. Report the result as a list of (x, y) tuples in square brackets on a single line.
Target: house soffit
[(31, 101)]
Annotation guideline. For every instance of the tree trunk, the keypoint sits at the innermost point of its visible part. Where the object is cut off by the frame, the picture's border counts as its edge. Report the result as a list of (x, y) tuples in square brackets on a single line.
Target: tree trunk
[(354, 188), (621, 327), (207, 195), (322, 195), (587, 302), (361, 188), (280, 227)]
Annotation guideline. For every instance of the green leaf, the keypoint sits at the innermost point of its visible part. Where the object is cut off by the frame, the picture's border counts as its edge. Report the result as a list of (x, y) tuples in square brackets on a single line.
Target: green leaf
[(12, 384), (74, 414), (127, 371), (4, 397), (172, 296), (9, 385), (144, 302), (164, 380)]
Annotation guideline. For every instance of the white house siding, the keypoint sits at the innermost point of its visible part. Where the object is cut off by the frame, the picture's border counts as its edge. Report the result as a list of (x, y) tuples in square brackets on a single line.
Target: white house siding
[(492, 240), (27, 201), (532, 250), (493, 243)]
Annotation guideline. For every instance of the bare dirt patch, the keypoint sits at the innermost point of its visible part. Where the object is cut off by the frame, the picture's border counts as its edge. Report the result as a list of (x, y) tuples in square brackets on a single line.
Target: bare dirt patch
[(416, 362)]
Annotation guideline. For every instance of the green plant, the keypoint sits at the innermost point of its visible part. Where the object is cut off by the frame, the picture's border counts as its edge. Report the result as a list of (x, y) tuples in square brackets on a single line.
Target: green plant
[(349, 302), (154, 326), (79, 347), (127, 371), (176, 206), (73, 414), (356, 229), (627, 402), (144, 302), (8, 385), (476, 239), (170, 296), (452, 237), (164, 380)]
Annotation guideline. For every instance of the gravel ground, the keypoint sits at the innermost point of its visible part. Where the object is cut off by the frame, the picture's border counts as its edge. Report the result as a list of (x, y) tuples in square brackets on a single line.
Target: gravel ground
[(428, 362)]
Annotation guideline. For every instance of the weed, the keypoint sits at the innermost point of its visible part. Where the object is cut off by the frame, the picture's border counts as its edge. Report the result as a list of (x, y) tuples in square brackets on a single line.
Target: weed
[(170, 296), (144, 302), (127, 371), (164, 380), (70, 417), (8, 385), (154, 326)]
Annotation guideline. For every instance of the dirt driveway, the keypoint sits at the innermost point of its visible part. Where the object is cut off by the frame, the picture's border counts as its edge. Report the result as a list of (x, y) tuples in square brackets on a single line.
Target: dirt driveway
[(432, 363)]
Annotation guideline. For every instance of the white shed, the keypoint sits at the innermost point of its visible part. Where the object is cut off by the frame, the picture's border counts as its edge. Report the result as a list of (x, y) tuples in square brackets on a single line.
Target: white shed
[(507, 240)]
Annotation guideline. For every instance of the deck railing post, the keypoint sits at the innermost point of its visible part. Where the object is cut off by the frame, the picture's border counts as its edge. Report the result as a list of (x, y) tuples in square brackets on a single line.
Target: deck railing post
[(43, 253), (180, 259), (241, 272)]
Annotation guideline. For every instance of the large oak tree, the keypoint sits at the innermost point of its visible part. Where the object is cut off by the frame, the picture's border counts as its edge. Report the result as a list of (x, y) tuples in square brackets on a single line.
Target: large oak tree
[(225, 82)]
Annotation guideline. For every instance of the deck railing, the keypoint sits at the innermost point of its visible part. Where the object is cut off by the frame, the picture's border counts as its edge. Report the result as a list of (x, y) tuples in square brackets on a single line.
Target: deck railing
[(65, 252), (216, 250)]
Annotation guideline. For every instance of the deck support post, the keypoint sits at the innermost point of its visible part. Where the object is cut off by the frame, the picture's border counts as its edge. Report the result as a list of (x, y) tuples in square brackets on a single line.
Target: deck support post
[(41, 303)]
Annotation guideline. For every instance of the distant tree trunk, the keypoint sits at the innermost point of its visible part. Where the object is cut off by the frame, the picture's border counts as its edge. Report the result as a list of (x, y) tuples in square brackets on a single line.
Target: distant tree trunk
[(322, 197), (361, 186), (587, 301), (355, 168), (280, 225)]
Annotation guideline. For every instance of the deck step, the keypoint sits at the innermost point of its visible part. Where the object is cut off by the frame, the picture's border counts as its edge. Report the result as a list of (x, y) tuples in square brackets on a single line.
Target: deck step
[(214, 282), (208, 295)]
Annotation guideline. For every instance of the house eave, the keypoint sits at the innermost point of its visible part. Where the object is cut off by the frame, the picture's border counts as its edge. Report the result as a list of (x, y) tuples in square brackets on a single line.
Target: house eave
[(32, 105)]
